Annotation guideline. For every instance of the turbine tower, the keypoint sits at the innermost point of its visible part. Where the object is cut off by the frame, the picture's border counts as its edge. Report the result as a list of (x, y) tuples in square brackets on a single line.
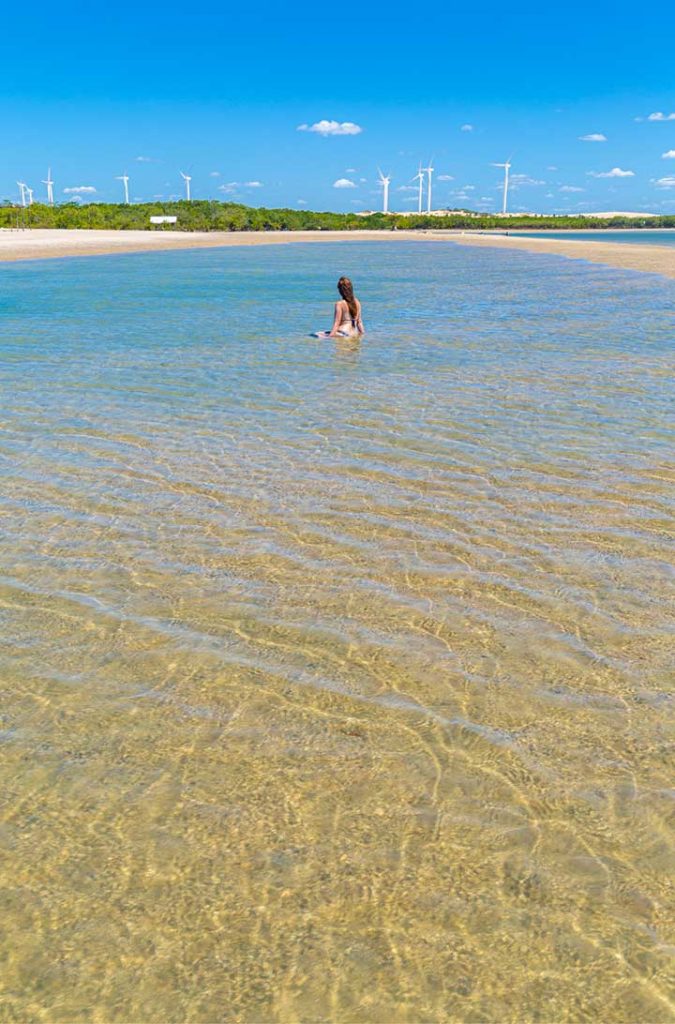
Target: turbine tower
[(125, 178), (507, 167), (50, 187), (384, 181), (22, 186), (429, 171), (419, 177), (30, 195), (187, 178)]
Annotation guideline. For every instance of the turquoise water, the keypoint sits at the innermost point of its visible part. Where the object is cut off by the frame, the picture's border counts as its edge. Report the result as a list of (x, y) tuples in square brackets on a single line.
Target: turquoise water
[(336, 677), (644, 236)]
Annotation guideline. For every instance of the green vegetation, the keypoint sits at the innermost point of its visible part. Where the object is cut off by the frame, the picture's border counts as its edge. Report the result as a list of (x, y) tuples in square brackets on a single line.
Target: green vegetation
[(210, 215)]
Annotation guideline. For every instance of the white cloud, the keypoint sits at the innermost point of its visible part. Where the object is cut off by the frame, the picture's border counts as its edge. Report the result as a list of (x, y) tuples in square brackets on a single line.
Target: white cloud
[(669, 155), (466, 128), (214, 174), (658, 116), (407, 188), (326, 128), (350, 170), (594, 137), (615, 172), (445, 177), (301, 202), (524, 179), (234, 186), (570, 188), (143, 159), (551, 168), (343, 183), (78, 190), (667, 182)]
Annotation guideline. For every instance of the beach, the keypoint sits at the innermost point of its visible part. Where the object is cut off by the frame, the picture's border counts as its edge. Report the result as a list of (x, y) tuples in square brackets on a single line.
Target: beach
[(336, 673), (651, 259), (45, 244)]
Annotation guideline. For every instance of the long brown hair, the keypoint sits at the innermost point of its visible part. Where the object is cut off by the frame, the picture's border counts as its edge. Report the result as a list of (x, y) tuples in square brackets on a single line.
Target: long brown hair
[(346, 290)]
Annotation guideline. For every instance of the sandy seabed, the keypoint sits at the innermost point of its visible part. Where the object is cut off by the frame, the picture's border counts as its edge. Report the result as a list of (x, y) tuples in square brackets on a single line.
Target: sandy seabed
[(335, 678), (44, 243)]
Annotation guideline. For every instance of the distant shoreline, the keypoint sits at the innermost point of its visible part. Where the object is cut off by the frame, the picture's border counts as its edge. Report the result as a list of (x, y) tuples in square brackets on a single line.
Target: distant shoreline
[(595, 232), (55, 243)]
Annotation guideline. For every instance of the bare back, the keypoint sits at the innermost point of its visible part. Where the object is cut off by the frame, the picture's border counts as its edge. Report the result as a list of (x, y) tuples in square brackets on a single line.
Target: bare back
[(344, 323)]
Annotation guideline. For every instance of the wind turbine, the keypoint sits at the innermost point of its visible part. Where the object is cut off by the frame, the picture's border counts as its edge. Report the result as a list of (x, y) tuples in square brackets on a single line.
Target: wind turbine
[(419, 177), (187, 178), (429, 171), (22, 186), (50, 187), (125, 178), (506, 167), (30, 195), (384, 181)]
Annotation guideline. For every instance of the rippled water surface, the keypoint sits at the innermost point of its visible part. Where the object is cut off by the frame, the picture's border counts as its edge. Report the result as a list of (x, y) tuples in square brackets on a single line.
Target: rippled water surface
[(335, 677)]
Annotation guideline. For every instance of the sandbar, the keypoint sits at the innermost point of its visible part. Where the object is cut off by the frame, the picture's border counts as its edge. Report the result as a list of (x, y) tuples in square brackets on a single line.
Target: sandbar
[(651, 259), (32, 244)]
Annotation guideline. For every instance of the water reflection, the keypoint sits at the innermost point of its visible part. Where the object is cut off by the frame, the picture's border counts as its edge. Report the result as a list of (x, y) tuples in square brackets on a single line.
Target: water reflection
[(348, 350)]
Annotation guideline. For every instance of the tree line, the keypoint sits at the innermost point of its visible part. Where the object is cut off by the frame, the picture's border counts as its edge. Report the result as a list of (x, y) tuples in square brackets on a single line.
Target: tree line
[(211, 215)]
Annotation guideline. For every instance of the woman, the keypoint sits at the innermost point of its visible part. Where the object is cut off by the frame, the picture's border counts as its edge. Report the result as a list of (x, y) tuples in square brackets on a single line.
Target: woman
[(347, 322)]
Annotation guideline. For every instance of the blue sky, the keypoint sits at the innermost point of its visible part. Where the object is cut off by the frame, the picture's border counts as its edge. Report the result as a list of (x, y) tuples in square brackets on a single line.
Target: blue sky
[(219, 91)]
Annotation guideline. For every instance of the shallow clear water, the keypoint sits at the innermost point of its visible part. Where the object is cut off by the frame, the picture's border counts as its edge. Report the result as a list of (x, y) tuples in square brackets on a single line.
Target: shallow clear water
[(336, 677), (641, 236)]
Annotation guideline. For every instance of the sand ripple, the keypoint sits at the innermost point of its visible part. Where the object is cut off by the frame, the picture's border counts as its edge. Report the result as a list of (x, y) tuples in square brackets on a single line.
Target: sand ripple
[(336, 679)]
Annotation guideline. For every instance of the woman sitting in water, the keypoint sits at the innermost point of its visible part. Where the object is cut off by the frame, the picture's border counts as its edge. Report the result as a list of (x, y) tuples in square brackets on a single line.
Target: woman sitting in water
[(347, 322)]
